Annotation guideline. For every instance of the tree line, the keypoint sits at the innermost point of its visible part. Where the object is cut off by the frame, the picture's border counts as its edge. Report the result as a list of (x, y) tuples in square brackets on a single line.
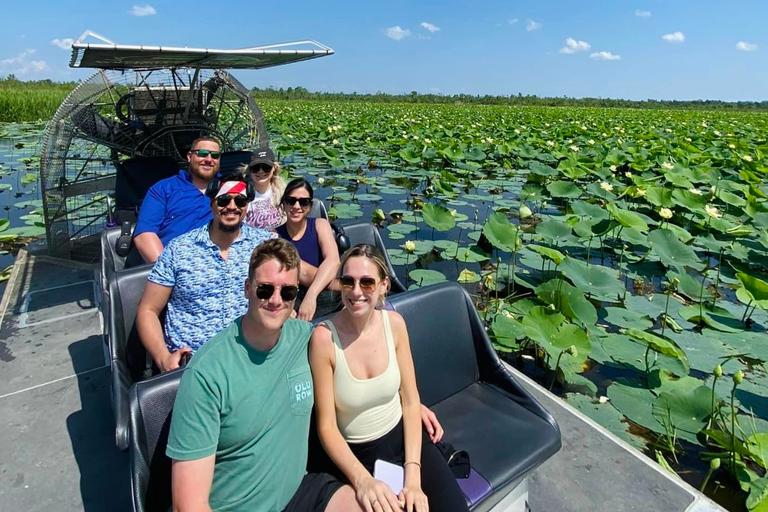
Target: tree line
[(300, 93)]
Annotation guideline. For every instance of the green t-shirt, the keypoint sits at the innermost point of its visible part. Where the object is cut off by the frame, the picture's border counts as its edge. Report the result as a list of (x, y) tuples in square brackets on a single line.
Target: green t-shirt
[(252, 410)]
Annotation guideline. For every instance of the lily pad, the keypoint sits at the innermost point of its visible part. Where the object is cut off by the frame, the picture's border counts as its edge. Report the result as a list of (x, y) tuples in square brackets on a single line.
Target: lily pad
[(671, 251), (600, 282), (425, 277), (438, 217)]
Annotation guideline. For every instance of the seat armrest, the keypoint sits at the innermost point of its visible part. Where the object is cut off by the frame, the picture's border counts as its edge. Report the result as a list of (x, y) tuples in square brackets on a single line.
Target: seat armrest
[(121, 383)]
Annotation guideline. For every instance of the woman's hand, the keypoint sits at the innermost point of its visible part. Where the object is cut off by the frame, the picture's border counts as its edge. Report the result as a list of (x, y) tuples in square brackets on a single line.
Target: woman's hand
[(376, 496), (308, 308), (415, 499)]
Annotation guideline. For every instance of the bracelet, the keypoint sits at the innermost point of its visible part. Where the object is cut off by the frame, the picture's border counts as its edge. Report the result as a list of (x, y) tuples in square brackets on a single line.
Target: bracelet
[(412, 462)]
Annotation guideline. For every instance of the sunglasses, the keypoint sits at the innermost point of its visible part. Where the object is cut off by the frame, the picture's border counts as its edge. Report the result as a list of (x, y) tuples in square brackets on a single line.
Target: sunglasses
[(367, 284), (261, 168), (303, 201), (240, 201), (287, 293), (202, 153)]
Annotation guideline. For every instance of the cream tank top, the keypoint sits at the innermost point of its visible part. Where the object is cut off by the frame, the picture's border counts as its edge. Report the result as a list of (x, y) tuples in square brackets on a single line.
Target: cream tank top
[(369, 408)]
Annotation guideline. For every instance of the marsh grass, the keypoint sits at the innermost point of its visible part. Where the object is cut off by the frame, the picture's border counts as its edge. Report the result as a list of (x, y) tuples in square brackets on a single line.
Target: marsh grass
[(30, 101)]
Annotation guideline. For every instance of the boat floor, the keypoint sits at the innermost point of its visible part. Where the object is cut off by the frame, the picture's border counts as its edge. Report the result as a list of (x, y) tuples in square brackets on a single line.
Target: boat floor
[(57, 450)]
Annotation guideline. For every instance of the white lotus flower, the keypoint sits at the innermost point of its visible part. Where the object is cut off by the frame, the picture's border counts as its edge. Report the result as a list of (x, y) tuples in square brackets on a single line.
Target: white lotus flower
[(410, 246), (590, 142), (550, 143), (603, 400), (717, 133), (732, 146), (335, 142), (665, 213), (628, 174), (641, 192), (668, 166), (712, 211), (427, 141), (747, 158), (695, 191), (321, 180), (606, 186), (612, 168), (574, 148)]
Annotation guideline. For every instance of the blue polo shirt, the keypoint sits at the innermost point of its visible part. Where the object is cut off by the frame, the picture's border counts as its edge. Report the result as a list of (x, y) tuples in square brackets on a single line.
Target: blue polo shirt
[(172, 207), (207, 290)]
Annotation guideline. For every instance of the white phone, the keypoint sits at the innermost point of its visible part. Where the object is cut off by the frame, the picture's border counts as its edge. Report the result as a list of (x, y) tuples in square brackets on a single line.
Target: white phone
[(391, 474)]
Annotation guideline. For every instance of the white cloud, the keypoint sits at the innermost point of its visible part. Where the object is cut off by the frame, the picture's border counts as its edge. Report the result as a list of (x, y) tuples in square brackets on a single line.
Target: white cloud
[(674, 37), (20, 65), (397, 33), (142, 10), (642, 14), (574, 46), (604, 56), (746, 47), (428, 26), (513, 21), (533, 25), (64, 44)]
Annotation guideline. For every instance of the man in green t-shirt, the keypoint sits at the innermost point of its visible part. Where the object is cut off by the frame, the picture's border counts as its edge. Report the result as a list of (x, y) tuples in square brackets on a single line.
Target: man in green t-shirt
[(239, 428)]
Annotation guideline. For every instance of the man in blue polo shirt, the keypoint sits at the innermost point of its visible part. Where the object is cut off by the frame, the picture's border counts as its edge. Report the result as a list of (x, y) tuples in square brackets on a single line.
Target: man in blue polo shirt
[(199, 277), (176, 205)]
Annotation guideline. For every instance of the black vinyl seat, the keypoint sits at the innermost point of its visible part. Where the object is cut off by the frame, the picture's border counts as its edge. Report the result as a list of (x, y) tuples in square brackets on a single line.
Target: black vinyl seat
[(367, 233), (133, 179), (151, 406), (129, 361), (482, 408), (484, 411)]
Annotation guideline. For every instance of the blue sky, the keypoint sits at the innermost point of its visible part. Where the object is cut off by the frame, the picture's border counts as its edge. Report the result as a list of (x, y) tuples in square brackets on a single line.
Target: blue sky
[(601, 48)]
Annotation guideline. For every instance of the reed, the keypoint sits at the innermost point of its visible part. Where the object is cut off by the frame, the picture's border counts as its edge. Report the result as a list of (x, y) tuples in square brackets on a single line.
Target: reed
[(30, 101)]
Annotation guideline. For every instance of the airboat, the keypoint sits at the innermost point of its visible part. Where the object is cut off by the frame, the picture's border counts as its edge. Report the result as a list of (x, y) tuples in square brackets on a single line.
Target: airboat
[(83, 427)]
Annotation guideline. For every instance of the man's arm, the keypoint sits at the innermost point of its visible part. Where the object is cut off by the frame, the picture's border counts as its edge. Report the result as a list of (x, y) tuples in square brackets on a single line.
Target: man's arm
[(149, 246), (151, 216), (325, 272), (150, 329), (191, 482)]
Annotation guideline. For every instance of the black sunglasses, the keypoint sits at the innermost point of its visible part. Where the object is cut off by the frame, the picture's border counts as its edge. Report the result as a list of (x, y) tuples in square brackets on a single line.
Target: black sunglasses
[(303, 201), (240, 201), (202, 153), (287, 293), (261, 167), (367, 284)]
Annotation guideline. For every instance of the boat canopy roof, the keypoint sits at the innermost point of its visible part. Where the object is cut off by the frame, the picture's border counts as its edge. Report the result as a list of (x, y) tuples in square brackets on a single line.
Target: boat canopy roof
[(107, 54)]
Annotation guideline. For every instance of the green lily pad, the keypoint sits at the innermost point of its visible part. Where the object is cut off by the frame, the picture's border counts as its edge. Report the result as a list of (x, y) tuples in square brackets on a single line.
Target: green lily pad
[(607, 416), (627, 318), (551, 254), (569, 300), (564, 189), (687, 411), (600, 282), (425, 277), (502, 234), (554, 231), (438, 217), (472, 254), (671, 251), (636, 403)]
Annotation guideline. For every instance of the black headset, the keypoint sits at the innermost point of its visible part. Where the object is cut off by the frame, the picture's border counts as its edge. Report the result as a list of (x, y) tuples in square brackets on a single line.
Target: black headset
[(215, 184)]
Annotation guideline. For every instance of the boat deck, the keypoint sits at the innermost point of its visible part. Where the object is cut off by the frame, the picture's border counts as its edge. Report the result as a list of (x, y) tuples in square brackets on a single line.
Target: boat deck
[(57, 450)]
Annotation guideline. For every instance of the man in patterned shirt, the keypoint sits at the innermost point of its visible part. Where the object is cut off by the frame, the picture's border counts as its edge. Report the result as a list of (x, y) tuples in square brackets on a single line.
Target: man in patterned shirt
[(199, 278)]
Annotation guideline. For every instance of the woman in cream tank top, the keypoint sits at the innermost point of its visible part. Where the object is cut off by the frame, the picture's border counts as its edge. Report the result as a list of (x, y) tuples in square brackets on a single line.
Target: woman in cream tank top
[(366, 399)]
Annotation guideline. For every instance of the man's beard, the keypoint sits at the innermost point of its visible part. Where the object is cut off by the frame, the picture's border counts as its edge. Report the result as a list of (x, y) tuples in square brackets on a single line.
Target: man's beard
[(196, 170), (224, 228)]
